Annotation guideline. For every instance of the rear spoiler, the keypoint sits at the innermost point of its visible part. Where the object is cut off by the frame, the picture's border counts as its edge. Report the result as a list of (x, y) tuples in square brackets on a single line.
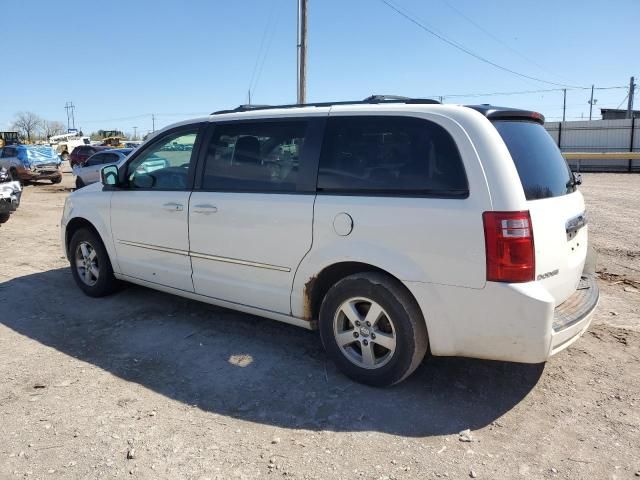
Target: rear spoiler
[(504, 113)]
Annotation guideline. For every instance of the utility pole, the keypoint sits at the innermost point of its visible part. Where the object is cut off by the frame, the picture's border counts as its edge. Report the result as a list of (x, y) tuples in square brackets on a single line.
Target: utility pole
[(135, 133), (564, 104), (153, 122), (70, 107), (632, 88), (302, 51), (591, 102), (249, 92)]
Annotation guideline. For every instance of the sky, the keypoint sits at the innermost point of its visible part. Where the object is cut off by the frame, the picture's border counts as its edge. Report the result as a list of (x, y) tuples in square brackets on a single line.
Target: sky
[(122, 61)]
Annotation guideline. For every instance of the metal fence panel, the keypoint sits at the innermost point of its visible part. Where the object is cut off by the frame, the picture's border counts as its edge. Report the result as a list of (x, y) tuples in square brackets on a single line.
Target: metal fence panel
[(598, 136)]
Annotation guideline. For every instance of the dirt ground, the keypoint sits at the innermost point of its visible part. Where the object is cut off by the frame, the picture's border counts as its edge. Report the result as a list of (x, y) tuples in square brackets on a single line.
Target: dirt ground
[(146, 385)]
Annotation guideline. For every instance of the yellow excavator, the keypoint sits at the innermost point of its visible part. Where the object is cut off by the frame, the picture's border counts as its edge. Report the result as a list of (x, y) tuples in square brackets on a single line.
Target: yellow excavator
[(112, 139), (9, 138)]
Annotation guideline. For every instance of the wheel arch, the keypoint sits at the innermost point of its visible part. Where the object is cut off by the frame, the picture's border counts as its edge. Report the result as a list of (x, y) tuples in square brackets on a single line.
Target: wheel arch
[(73, 226), (316, 288)]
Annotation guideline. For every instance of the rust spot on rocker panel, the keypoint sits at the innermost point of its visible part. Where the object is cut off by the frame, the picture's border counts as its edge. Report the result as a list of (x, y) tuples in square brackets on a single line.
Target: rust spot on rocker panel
[(307, 307)]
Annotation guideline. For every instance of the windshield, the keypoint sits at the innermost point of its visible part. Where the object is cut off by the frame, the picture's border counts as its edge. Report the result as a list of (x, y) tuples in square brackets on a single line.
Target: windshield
[(543, 171)]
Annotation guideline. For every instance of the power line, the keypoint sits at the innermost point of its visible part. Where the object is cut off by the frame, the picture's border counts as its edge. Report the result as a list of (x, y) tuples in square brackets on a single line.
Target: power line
[(266, 52), (466, 50), (491, 35), (453, 95), (521, 92), (146, 115), (266, 30), (121, 119), (623, 100)]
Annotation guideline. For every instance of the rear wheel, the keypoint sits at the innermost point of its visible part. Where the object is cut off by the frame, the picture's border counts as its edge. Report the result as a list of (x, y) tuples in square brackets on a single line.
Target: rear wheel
[(373, 329), (4, 217), (90, 264), (79, 182)]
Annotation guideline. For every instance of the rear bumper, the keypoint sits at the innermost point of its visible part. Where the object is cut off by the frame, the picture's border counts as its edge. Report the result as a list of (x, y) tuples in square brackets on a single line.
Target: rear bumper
[(507, 322), (573, 317)]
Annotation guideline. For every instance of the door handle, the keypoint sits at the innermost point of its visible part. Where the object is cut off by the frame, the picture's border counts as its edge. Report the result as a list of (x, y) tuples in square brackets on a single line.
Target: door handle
[(173, 207), (205, 209)]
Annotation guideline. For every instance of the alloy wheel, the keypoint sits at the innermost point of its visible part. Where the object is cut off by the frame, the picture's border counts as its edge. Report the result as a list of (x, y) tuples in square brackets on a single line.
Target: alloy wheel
[(87, 263), (364, 333)]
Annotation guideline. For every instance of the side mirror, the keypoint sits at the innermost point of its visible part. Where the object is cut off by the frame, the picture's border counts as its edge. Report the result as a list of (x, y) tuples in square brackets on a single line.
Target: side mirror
[(109, 176), (577, 178)]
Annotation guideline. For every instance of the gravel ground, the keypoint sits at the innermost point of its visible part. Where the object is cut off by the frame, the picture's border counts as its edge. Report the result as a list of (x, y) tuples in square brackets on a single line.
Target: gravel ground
[(146, 385)]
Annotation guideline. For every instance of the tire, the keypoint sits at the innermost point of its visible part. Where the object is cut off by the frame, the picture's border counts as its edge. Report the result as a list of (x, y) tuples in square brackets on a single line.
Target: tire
[(13, 174), (56, 180), (79, 183), (102, 284), (4, 217), (399, 325)]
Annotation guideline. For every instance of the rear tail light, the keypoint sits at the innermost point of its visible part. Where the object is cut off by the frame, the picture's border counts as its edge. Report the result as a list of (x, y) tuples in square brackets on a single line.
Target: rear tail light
[(508, 239)]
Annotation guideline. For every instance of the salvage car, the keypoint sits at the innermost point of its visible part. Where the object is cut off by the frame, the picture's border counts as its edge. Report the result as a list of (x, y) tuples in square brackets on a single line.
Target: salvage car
[(81, 154), (10, 192), (89, 172), (31, 162), (398, 227)]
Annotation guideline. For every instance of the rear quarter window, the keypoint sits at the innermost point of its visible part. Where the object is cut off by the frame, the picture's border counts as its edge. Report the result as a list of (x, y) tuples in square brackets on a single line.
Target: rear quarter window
[(390, 155), (542, 169)]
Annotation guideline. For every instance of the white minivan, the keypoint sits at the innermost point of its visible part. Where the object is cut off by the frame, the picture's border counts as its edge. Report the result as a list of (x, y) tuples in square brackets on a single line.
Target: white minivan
[(397, 227)]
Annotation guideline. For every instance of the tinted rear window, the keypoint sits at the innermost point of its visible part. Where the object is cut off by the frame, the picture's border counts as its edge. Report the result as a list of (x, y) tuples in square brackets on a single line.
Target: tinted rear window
[(543, 171), (390, 155)]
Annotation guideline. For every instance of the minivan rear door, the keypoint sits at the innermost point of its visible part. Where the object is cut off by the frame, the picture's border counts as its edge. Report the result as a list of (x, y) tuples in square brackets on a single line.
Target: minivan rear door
[(251, 213), (556, 207)]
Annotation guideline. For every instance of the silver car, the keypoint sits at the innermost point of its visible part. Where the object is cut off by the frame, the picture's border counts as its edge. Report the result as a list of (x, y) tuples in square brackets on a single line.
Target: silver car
[(90, 172)]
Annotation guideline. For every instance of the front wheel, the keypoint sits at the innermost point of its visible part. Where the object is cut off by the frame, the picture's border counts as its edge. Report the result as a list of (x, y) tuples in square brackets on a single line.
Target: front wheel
[(373, 329), (90, 264), (56, 180), (4, 217)]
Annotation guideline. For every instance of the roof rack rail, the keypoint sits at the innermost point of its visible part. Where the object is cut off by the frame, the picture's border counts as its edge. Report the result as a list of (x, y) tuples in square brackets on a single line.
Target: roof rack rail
[(372, 99), (399, 99)]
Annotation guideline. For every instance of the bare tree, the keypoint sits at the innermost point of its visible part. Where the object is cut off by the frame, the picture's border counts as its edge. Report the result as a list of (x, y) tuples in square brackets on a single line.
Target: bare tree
[(27, 123), (52, 127)]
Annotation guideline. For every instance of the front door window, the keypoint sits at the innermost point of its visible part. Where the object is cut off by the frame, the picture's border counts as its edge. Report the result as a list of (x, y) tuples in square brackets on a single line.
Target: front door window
[(164, 165)]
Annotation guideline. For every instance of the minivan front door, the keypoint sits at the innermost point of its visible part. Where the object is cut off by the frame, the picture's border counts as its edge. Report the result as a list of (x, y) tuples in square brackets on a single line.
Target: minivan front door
[(250, 222), (149, 217)]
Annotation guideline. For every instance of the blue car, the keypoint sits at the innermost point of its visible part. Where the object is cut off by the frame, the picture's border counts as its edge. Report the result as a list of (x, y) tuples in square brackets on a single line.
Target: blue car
[(31, 162)]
